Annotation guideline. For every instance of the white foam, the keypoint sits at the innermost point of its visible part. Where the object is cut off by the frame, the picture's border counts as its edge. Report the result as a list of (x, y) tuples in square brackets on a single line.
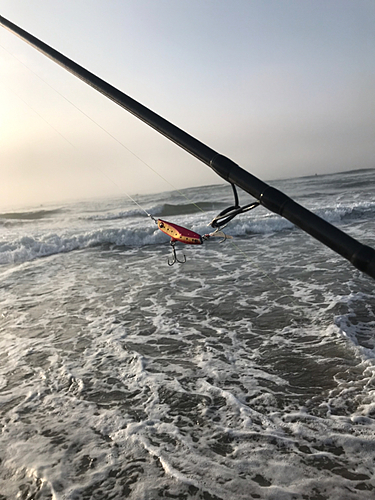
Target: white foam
[(237, 374)]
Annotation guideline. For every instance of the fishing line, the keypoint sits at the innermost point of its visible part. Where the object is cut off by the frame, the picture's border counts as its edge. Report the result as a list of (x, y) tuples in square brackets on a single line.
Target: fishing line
[(87, 116), (38, 114), (73, 145), (109, 134)]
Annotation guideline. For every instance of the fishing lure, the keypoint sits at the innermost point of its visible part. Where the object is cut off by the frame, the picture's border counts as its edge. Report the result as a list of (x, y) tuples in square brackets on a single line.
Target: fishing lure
[(184, 235), (189, 237)]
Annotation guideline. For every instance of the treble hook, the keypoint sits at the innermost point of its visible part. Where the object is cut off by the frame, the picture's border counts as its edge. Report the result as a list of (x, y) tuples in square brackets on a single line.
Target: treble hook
[(175, 259)]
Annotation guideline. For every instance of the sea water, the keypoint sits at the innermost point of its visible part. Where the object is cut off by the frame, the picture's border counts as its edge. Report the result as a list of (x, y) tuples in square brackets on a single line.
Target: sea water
[(247, 372)]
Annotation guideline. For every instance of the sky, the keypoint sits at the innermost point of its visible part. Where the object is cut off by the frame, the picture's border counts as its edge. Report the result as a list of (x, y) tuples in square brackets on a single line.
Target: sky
[(285, 88)]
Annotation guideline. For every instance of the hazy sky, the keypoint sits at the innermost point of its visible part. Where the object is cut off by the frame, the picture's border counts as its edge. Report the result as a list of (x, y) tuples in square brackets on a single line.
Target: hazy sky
[(283, 87)]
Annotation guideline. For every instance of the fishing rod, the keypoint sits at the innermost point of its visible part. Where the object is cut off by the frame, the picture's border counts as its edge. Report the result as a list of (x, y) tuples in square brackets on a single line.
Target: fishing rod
[(360, 255)]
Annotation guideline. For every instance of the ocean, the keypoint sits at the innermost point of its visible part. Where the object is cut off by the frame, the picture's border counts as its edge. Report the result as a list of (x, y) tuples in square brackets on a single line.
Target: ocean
[(246, 373)]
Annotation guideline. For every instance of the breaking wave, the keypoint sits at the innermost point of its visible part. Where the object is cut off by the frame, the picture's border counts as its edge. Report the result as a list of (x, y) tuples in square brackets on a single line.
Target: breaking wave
[(24, 245), (347, 212), (28, 248)]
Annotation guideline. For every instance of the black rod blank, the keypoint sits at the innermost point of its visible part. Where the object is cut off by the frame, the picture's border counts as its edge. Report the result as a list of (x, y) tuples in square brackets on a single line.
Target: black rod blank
[(361, 256)]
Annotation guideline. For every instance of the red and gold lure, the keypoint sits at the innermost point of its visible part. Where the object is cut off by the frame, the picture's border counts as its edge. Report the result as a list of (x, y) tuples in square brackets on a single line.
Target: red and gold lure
[(186, 236), (179, 233)]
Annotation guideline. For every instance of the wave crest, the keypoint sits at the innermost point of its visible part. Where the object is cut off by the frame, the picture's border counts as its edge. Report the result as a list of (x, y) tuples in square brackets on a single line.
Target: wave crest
[(28, 248)]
